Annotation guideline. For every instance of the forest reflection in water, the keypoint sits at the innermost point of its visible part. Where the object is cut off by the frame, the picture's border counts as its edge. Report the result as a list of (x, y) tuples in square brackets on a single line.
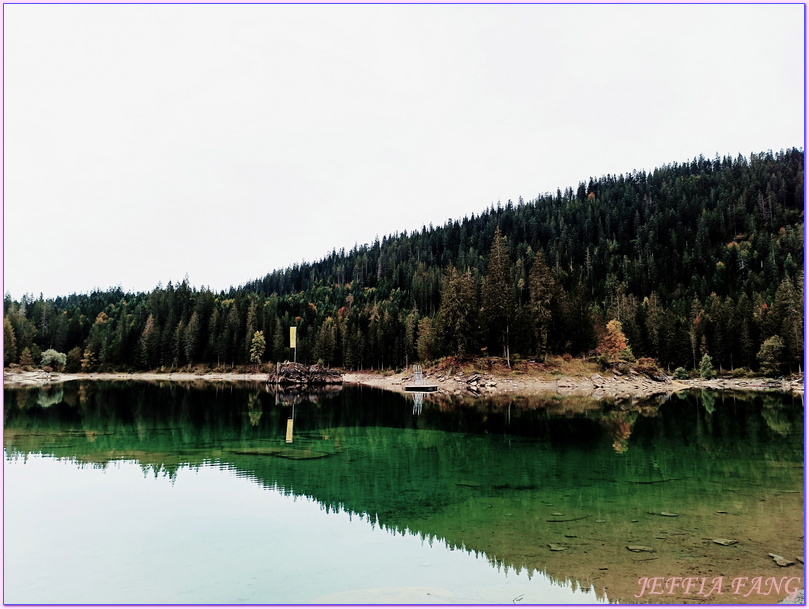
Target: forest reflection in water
[(555, 486)]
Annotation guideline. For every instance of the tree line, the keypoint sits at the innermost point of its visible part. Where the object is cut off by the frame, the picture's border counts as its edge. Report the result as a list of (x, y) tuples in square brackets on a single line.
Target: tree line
[(703, 257)]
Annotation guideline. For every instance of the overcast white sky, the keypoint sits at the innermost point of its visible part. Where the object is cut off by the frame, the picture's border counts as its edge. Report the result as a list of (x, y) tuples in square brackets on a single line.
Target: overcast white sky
[(144, 142)]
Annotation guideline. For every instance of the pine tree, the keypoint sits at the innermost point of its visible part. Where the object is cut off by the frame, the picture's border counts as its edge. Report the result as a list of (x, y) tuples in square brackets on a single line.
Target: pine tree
[(278, 345), (787, 321), (257, 347), (706, 367), (149, 343), (9, 343), (770, 354), (192, 338), (426, 342), (498, 301), (250, 330), (543, 291), (26, 359), (459, 313)]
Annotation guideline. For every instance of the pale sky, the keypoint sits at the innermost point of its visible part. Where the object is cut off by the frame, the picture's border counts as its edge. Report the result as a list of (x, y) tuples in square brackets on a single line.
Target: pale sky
[(146, 142)]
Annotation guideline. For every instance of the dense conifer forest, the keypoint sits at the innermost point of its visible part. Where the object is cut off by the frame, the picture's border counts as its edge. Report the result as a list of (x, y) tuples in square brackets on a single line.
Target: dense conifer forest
[(703, 257)]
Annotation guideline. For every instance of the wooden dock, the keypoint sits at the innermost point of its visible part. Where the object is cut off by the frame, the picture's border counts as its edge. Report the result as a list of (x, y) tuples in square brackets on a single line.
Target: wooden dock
[(421, 388)]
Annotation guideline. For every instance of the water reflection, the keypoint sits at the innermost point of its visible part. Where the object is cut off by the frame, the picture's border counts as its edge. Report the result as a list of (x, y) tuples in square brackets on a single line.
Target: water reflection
[(505, 478)]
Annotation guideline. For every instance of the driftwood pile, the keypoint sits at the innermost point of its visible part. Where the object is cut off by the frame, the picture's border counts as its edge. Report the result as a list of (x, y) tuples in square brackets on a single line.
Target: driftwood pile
[(298, 374)]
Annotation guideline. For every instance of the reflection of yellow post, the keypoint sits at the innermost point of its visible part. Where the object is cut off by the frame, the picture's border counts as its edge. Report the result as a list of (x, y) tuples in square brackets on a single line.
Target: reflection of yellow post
[(289, 431)]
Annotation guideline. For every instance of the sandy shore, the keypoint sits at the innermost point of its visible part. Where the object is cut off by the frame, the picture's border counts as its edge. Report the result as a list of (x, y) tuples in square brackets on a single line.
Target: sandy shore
[(596, 385)]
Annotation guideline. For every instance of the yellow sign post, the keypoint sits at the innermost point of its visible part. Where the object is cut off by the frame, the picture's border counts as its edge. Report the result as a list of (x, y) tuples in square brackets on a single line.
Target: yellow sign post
[(293, 331)]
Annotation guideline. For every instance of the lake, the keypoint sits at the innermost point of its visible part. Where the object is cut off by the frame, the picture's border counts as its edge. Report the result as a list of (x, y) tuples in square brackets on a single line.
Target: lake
[(159, 492)]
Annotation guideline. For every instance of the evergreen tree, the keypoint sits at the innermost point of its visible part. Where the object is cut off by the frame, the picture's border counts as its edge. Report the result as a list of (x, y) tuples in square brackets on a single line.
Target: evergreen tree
[(149, 343), (9, 343), (278, 345), (26, 359), (706, 367), (458, 314), (498, 299), (543, 292), (257, 347), (770, 354), (192, 338)]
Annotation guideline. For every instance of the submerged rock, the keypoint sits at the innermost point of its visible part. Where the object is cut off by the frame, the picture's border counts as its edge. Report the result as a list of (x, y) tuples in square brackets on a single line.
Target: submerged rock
[(725, 542), (781, 561), (640, 549)]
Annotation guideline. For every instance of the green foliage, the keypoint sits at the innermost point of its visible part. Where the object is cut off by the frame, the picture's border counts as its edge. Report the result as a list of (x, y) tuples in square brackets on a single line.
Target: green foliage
[(706, 370), (257, 347), (9, 343), (544, 291), (426, 342), (680, 374), (459, 313), (497, 296), (53, 358), (770, 355), (699, 257), (73, 360)]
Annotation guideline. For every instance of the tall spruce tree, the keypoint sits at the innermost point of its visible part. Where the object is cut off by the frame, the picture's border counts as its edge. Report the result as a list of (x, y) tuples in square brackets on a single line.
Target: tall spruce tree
[(543, 291), (459, 313), (498, 297)]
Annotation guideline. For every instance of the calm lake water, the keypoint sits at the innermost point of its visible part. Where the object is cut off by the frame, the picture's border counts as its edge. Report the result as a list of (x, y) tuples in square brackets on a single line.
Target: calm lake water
[(134, 492)]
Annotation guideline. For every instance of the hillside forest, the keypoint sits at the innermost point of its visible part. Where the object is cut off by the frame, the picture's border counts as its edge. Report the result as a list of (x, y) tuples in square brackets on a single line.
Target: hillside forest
[(694, 259)]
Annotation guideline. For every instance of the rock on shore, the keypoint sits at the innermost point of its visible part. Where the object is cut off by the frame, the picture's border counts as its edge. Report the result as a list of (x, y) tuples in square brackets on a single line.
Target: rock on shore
[(298, 374)]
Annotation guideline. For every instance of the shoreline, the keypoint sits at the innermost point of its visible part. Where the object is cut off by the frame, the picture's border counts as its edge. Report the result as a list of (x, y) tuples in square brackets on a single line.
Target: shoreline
[(477, 384)]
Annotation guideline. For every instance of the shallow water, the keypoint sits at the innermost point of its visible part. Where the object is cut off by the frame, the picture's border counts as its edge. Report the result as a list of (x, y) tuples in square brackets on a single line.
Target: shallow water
[(175, 493)]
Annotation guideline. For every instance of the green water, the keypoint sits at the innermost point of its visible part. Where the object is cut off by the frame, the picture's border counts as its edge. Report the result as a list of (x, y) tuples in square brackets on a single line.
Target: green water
[(133, 492)]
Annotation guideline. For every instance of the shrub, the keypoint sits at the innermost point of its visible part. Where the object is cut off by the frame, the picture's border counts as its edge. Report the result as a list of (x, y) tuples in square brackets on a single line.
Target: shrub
[(680, 374), (706, 367), (53, 359), (740, 373)]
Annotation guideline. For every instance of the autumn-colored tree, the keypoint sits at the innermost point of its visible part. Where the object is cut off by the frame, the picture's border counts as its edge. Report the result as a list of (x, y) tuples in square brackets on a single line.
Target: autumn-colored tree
[(88, 362), (614, 341), (25, 358)]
